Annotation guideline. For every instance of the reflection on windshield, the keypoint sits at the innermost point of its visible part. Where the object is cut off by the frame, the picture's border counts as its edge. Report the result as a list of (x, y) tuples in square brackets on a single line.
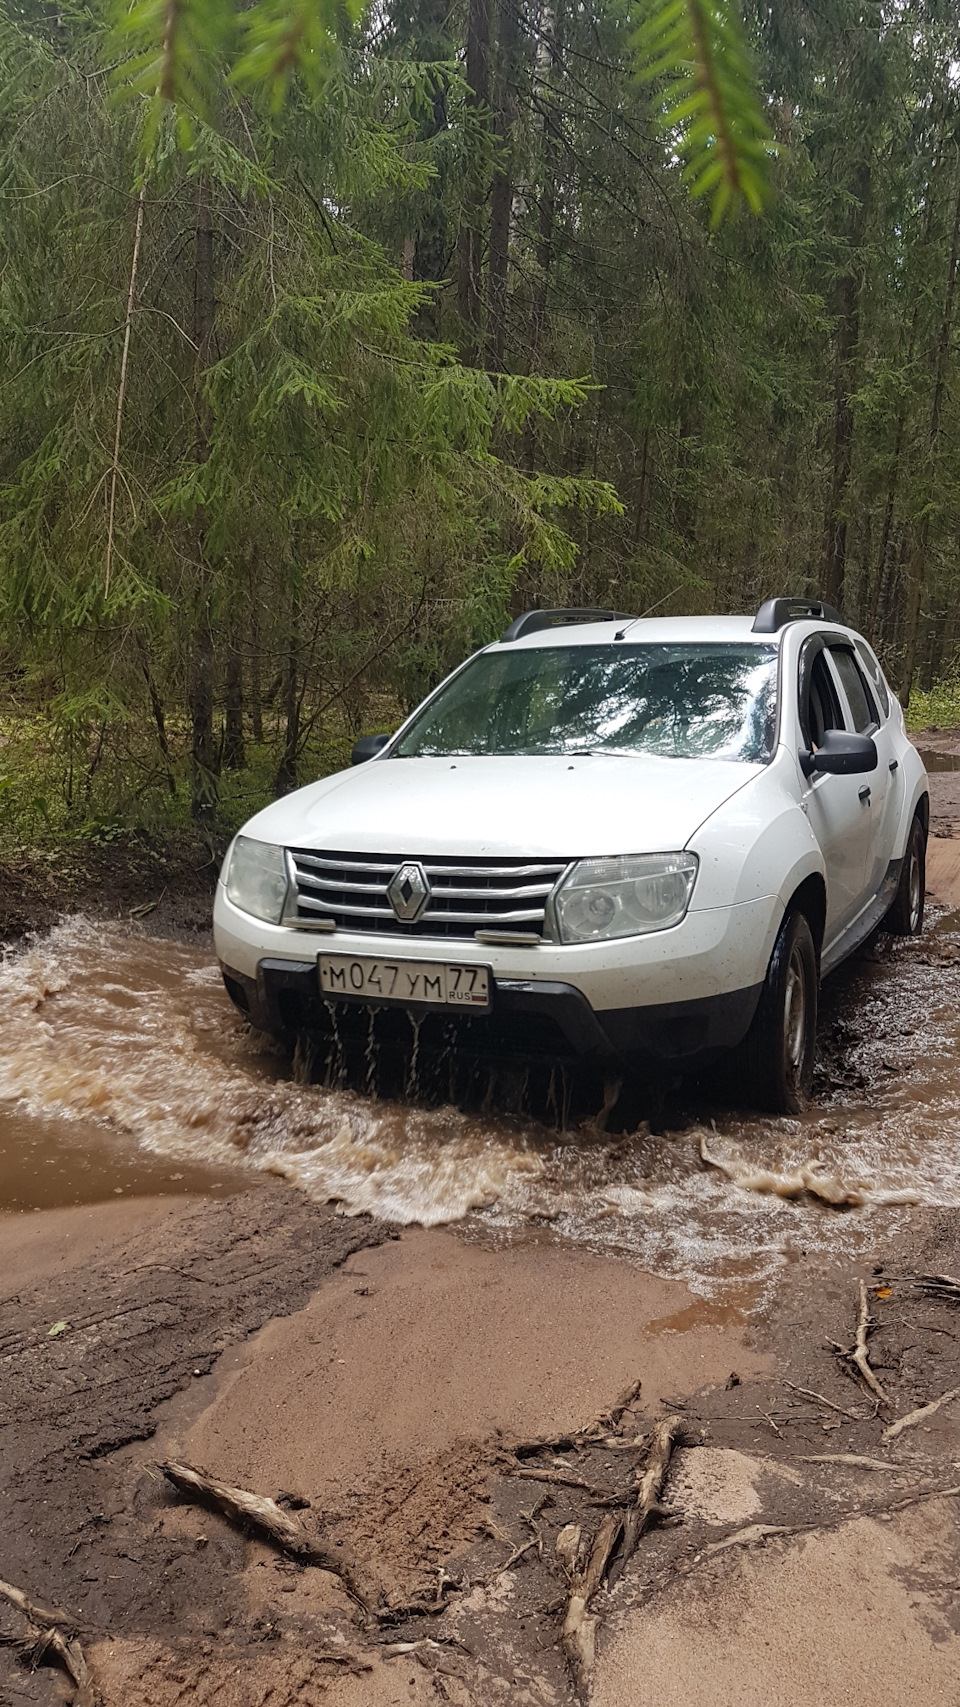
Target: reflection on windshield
[(681, 702)]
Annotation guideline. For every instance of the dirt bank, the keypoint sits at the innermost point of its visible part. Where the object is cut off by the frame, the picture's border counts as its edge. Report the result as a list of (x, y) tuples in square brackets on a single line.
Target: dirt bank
[(382, 1387)]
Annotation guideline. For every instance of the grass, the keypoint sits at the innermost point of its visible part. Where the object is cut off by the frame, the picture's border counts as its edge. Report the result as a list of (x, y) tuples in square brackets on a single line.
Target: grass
[(938, 708)]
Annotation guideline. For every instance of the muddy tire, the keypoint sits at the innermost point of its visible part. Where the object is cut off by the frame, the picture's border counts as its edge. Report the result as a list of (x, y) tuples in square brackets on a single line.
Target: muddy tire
[(905, 917), (773, 1066)]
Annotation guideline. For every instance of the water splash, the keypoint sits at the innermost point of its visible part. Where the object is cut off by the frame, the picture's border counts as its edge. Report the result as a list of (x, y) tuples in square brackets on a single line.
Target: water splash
[(134, 1038)]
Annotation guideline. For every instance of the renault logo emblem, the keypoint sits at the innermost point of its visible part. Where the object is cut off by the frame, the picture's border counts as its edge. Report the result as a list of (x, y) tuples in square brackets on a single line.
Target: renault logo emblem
[(408, 892)]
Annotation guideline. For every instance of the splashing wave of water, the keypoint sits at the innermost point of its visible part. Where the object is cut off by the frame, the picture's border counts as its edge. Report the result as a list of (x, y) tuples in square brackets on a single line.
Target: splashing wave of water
[(136, 1035)]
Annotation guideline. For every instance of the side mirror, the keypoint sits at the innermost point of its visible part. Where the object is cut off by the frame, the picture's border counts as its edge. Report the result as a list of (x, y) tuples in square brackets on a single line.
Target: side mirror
[(368, 747), (841, 754)]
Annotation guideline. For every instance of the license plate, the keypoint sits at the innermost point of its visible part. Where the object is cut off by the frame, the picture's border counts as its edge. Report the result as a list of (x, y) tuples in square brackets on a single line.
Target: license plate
[(438, 983)]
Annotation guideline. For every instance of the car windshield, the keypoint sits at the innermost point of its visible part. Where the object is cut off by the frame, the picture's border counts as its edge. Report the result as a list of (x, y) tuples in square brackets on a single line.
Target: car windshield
[(678, 701)]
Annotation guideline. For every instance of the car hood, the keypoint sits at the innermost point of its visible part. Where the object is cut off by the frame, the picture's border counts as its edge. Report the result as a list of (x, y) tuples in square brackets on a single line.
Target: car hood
[(541, 807)]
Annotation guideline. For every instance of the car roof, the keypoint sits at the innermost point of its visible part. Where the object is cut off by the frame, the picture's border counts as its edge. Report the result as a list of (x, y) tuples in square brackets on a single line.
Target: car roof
[(661, 630)]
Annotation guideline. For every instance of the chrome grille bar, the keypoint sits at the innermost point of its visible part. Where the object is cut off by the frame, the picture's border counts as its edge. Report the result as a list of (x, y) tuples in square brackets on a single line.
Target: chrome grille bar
[(349, 891)]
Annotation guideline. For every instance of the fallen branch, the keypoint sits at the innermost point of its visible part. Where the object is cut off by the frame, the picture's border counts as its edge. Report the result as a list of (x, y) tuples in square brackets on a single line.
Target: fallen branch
[(851, 1458), (612, 1547), (821, 1399), (647, 1504), (579, 1635), (753, 1533), (609, 1421), (914, 1417), (252, 1511), (48, 1638), (858, 1352), (37, 1614), (558, 1478)]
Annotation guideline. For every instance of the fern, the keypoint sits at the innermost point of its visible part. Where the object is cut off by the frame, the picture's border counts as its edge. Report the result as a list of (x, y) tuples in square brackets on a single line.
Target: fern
[(710, 105)]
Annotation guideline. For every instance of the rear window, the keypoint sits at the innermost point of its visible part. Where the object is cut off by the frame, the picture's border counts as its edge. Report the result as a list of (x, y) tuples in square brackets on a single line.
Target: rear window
[(859, 697), (876, 676), (680, 702)]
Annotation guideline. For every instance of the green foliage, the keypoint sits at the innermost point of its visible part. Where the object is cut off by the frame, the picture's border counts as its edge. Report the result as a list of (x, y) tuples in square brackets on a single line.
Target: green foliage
[(938, 707), (710, 106)]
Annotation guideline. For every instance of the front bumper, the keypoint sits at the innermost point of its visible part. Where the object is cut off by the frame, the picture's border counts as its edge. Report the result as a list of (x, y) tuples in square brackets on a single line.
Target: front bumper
[(680, 996), (530, 1018)]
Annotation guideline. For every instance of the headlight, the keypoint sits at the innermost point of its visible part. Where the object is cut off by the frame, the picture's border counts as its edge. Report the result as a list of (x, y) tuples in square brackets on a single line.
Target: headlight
[(256, 878), (624, 897)]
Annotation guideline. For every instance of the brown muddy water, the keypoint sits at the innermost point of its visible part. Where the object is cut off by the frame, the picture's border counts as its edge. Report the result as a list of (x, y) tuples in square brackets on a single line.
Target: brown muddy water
[(124, 1069)]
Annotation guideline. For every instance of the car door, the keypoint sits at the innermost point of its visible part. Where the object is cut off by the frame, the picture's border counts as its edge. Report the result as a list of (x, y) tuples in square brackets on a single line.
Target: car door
[(884, 784), (888, 738), (837, 811)]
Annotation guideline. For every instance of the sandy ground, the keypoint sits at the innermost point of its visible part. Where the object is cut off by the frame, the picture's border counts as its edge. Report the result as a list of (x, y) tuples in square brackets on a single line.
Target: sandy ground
[(393, 1394)]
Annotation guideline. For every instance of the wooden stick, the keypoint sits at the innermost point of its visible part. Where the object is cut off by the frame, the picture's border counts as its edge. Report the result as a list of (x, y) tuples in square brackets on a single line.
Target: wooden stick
[(579, 1635), (851, 1458), (558, 1478), (647, 1503), (44, 1620), (252, 1511), (808, 1393), (37, 1614), (914, 1417), (859, 1353)]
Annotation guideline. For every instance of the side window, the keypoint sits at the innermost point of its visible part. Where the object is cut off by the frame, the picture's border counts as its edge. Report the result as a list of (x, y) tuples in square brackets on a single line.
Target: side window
[(821, 710), (859, 697), (874, 676)]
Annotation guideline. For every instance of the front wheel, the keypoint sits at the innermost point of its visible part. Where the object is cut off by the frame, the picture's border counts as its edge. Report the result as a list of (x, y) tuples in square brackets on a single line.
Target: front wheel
[(773, 1066), (905, 917)]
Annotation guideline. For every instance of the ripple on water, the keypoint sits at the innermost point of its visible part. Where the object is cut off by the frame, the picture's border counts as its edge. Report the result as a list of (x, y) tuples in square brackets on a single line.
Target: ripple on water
[(112, 1039)]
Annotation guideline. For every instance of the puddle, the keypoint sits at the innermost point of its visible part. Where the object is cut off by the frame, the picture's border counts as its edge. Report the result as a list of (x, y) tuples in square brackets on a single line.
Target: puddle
[(50, 1163), (939, 761), (124, 1069)]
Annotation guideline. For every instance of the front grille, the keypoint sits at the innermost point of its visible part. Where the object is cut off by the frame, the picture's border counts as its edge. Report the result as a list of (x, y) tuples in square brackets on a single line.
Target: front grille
[(350, 890)]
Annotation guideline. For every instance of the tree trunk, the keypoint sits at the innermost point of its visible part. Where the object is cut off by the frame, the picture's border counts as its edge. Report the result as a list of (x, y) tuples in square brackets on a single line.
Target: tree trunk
[(256, 687), (234, 755), (834, 564), (881, 574), (471, 219), (501, 193), (917, 566), (430, 243), (286, 778), (203, 754)]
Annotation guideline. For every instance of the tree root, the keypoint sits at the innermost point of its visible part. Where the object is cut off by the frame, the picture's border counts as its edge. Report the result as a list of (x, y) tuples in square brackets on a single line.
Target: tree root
[(611, 1549), (857, 1354), (914, 1417), (47, 1637), (251, 1511)]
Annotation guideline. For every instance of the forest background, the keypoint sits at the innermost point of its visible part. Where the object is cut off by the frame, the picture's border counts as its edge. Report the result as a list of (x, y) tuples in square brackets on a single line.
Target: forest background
[(331, 345)]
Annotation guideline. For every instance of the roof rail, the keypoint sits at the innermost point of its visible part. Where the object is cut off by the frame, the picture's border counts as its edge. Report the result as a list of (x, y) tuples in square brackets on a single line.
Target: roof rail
[(533, 621), (774, 613)]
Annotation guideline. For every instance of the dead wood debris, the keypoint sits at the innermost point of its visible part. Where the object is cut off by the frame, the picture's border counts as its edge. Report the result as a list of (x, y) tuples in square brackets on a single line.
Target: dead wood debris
[(753, 1533), (936, 1285), (47, 1637), (851, 1458), (613, 1545), (821, 1399), (857, 1354), (557, 1478), (252, 1511), (914, 1417)]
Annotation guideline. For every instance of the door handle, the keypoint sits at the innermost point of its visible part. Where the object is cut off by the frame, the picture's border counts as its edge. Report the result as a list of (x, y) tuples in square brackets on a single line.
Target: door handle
[(894, 765), (864, 793)]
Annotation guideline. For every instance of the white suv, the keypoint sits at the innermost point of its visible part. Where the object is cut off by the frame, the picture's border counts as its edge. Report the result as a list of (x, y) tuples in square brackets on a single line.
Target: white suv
[(605, 837)]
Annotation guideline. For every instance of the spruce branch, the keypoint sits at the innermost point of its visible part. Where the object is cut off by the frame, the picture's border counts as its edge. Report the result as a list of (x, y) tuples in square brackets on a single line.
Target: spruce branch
[(710, 105)]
